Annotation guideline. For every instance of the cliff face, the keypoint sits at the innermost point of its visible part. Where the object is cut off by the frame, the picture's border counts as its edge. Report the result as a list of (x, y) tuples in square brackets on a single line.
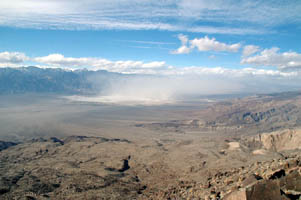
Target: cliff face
[(281, 140), (284, 140)]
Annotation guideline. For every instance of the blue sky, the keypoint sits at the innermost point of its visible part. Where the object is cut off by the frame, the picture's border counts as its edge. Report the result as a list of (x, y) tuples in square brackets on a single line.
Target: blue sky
[(153, 36)]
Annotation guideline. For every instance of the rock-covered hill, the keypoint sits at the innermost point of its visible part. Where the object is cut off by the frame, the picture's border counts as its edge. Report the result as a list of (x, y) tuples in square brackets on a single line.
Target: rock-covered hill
[(278, 177), (262, 113), (77, 167), (250, 115), (88, 167)]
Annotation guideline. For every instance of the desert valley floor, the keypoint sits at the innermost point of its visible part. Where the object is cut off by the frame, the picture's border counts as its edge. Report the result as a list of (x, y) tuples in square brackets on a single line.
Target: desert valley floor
[(55, 148)]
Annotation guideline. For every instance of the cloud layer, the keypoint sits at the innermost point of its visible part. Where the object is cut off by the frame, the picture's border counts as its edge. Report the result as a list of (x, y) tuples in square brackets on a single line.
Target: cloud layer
[(127, 66), (172, 15), (266, 57)]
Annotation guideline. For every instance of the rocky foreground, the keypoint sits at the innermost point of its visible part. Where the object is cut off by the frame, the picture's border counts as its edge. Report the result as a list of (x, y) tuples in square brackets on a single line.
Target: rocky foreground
[(81, 167), (276, 179), (271, 179), (52, 168)]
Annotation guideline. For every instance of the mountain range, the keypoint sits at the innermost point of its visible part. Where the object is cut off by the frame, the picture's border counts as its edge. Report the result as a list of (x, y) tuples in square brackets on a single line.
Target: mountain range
[(50, 80)]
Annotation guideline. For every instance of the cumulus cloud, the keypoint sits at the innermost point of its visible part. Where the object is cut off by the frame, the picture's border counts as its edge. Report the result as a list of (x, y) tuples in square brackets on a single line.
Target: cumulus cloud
[(10, 59), (62, 61), (207, 44), (249, 50), (204, 44), (137, 67), (154, 67), (272, 57), (183, 49), (159, 67)]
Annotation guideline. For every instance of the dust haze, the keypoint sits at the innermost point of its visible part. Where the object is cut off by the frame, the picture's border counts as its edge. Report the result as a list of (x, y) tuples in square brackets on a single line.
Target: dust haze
[(28, 116), (168, 89)]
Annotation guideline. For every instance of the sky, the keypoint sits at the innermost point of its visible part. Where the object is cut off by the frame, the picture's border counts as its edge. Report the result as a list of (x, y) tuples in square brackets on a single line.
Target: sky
[(166, 37)]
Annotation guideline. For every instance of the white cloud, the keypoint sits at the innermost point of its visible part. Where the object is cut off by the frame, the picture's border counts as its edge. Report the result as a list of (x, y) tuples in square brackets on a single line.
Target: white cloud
[(204, 44), (154, 67), (272, 57), (12, 59), (148, 14), (183, 49), (46, 22), (249, 50), (288, 59), (207, 44), (127, 66), (224, 30), (60, 60)]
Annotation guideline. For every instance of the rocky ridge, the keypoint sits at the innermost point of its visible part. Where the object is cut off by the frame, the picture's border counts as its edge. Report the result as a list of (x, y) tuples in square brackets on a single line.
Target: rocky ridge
[(248, 116)]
